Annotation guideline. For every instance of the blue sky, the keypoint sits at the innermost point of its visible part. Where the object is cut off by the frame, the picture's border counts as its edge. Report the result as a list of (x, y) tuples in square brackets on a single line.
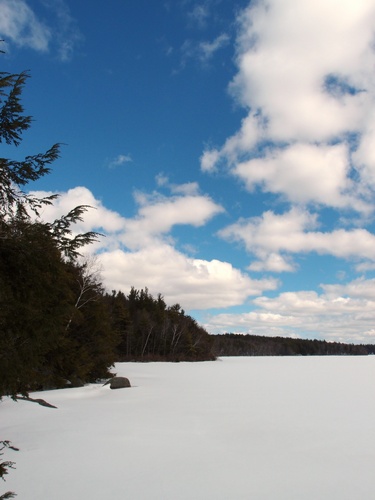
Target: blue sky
[(227, 147)]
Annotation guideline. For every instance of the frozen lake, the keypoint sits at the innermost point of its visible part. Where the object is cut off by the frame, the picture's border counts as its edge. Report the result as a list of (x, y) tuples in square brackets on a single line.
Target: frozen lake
[(238, 428)]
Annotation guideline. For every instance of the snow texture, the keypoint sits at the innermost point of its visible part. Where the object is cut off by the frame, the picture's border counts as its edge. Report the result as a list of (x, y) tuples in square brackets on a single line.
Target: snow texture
[(235, 429)]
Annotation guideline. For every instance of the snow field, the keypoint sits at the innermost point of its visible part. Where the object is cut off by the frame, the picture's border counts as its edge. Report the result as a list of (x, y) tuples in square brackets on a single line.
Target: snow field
[(270, 428)]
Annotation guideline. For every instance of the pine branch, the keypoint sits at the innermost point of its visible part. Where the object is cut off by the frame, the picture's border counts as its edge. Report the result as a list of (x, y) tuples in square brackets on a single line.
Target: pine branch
[(4, 466), (12, 122), (61, 232), (30, 169), (14, 174), (8, 494)]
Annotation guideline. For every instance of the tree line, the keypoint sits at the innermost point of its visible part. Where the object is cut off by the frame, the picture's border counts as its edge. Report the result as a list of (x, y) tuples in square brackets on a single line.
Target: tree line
[(151, 330), (231, 344)]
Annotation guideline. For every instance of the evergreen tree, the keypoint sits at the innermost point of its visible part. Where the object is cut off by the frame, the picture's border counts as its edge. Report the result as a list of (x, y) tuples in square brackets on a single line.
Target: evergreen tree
[(149, 330), (88, 346), (41, 322), (16, 174), (35, 303)]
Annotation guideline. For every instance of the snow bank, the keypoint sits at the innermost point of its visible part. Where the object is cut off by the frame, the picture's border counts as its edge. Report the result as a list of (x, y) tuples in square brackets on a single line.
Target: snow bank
[(238, 428)]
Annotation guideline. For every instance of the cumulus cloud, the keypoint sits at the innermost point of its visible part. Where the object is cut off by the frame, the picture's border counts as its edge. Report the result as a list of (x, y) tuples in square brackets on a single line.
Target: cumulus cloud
[(285, 64), (158, 214), (304, 173), (22, 26), (272, 262), (270, 236), (140, 251), (97, 218), (359, 288), (341, 313), (305, 77), (194, 283)]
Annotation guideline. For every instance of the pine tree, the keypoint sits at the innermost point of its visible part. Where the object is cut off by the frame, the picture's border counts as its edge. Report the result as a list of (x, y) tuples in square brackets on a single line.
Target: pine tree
[(37, 294), (149, 330), (14, 175)]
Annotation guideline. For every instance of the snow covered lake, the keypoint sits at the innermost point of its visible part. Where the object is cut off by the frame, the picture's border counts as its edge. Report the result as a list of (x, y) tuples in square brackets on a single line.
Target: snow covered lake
[(269, 428)]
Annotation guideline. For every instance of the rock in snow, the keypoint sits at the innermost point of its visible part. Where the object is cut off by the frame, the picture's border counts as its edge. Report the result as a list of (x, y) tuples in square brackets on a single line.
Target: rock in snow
[(118, 382)]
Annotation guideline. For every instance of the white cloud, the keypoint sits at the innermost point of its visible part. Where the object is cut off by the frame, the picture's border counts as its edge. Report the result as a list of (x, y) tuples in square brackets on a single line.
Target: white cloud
[(209, 160), (359, 288), (99, 218), (139, 251), (286, 51), (188, 188), (119, 160), (162, 180), (303, 173), (271, 235), (158, 214), (19, 25), (23, 27), (273, 262), (342, 313), (194, 283), (305, 76), (364, 156)]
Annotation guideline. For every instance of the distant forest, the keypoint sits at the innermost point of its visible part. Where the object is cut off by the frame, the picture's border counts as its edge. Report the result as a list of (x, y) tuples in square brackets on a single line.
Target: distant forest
[(232, 344)]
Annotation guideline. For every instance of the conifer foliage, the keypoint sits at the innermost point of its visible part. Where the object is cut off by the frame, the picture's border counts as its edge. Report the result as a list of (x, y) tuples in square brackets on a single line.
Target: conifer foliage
[(5, 465), (150, 330), (46, 340)]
